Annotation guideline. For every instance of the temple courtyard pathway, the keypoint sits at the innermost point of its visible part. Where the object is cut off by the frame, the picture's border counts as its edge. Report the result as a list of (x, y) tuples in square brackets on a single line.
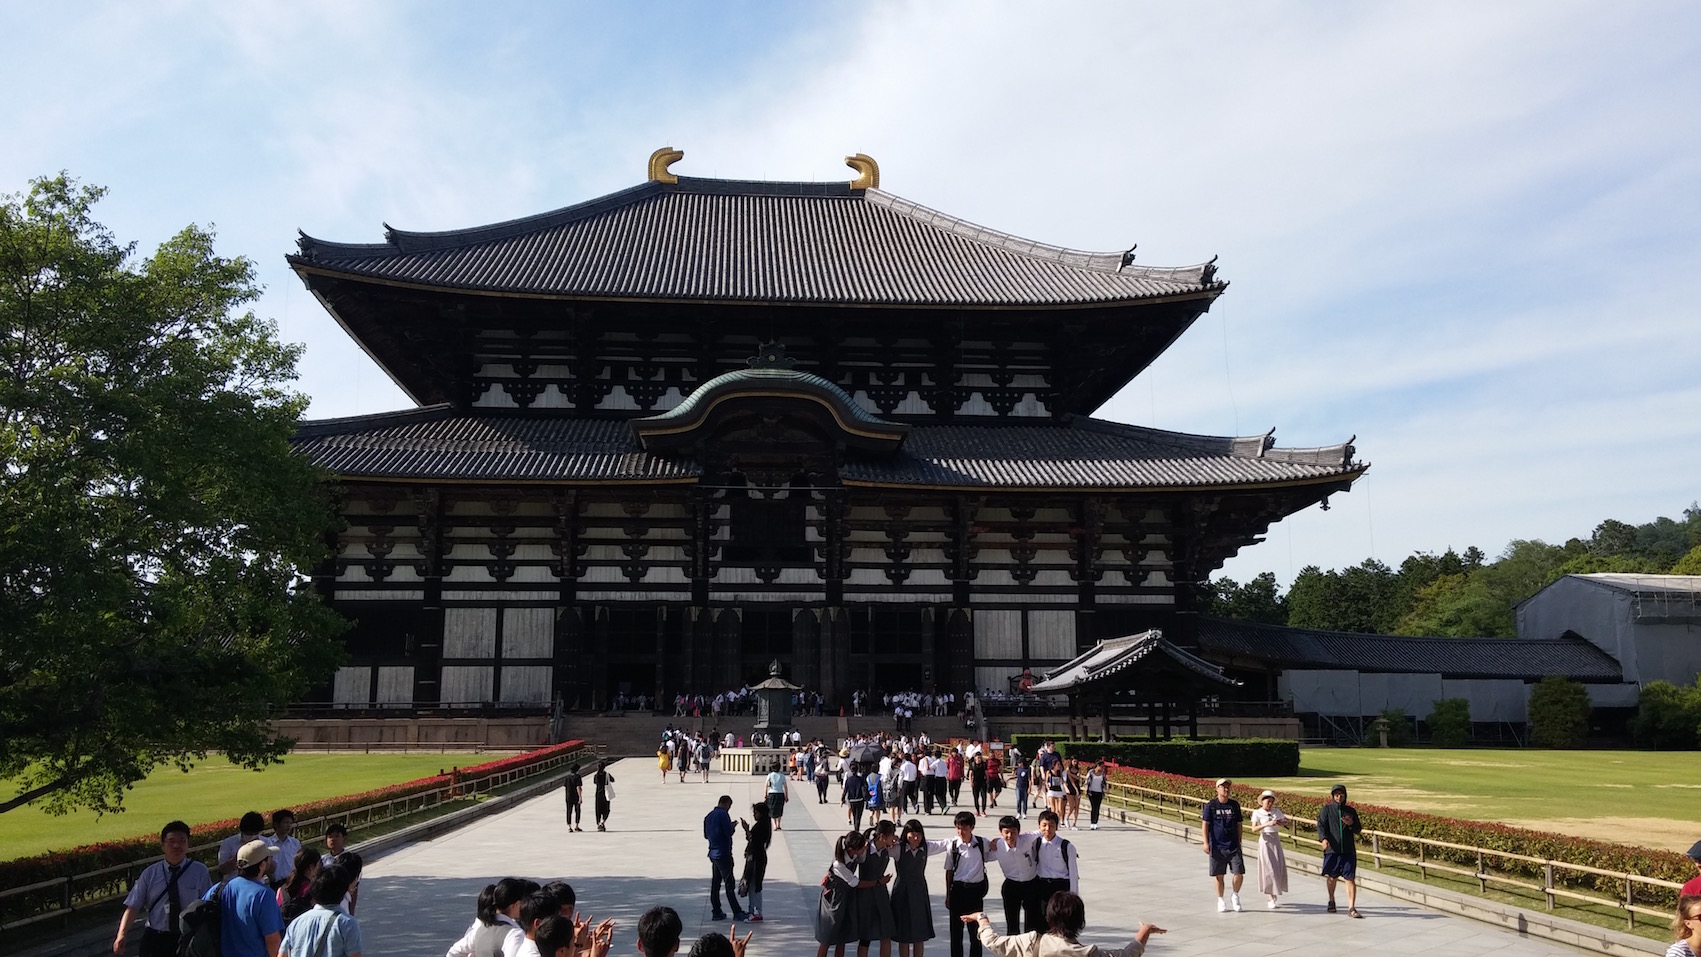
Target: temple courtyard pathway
[(419, 899)]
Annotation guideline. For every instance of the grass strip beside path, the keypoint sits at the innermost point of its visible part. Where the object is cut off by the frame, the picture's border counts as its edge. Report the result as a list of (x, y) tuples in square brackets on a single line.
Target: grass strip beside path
[(216, 790)]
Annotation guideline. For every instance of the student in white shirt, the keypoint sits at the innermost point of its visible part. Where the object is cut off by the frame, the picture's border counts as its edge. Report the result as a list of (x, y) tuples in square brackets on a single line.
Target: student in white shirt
[(965, 880), (283, 835), (1055, 860), (1014, 852), (496, 932), (248, 829)]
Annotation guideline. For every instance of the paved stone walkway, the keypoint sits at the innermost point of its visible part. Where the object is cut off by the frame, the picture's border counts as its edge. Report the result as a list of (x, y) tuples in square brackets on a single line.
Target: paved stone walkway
[(419, 899)]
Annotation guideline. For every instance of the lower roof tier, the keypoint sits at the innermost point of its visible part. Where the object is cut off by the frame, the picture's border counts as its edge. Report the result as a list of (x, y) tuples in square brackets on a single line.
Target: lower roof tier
[(440, 443)]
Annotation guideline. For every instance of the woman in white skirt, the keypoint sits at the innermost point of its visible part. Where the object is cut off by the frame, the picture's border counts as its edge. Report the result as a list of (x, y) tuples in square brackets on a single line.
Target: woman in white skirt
[(1272, 864)]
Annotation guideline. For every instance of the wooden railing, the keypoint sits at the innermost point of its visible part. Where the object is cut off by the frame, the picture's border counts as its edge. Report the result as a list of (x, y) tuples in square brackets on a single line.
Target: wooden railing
[(61, 897), (1553, 887)]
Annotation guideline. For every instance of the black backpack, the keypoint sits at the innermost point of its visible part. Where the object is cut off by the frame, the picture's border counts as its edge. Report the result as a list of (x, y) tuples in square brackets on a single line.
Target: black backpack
[(200, 923)]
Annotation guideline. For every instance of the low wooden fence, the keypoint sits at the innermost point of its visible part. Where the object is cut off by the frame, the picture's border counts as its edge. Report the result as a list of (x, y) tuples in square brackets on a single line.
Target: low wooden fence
[(1426, 855), (61, 897)]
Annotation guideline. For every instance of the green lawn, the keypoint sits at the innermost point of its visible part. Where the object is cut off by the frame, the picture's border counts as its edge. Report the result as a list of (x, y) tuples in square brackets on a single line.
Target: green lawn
[(217, 789), (1632, 797)]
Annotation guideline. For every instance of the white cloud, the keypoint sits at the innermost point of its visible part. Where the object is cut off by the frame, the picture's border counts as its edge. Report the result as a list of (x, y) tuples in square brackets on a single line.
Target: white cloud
[(1465, 232)]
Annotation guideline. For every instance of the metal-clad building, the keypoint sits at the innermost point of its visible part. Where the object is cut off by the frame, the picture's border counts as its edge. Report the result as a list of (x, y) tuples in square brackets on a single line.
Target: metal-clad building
[(1650, 624)]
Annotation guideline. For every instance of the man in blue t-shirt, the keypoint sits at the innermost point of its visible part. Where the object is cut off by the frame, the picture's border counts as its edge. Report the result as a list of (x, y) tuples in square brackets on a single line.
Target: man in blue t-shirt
[(250, 924), (717, 829), (1219, 827)]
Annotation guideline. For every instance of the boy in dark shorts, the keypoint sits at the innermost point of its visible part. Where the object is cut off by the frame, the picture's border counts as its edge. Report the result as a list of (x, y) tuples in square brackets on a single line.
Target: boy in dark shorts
[(1337, 828), (1219, 827)]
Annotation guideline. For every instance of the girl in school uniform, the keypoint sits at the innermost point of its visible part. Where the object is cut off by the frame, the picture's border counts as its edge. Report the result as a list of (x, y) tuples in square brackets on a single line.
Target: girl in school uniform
[(1272, 863), (912, 902), (835, 915), (873, 901)]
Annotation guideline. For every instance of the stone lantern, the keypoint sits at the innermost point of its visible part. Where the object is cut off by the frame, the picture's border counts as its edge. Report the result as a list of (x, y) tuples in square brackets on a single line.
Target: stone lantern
[(773, 702)]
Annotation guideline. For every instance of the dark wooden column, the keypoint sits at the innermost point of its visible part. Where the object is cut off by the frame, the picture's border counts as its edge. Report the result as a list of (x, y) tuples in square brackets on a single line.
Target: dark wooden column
[(569, 657), (428, 657), (599, 658), (960, 645), (806, 649), (728, 661)]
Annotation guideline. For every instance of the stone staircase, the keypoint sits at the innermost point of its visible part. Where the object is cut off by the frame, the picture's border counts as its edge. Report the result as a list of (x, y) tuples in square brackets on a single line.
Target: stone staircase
[(636, 733)]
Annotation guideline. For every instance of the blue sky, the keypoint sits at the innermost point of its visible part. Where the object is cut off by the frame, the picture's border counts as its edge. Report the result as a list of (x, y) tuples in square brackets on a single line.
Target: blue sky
[(1468, 233)]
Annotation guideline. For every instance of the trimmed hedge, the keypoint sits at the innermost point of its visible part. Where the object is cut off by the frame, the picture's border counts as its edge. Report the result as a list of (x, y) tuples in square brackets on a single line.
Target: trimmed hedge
[(1211, 758), (1642, 861)]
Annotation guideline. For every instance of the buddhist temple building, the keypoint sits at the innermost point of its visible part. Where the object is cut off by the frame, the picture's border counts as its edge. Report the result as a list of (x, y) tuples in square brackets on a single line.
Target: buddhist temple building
[(667, 436)]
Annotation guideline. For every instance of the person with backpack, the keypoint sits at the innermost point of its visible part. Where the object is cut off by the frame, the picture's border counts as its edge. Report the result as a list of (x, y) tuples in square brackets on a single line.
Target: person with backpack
[(249, 922), (965, 879), (161, 891), (1056, 865), (324, 931)]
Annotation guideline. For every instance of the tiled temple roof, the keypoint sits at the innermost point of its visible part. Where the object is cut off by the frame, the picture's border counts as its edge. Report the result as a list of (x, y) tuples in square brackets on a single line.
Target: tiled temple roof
[(440, 443), (742, 241)]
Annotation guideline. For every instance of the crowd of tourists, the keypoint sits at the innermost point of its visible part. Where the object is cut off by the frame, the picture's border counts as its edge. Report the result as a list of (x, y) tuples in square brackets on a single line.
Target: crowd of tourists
[(271, 896)]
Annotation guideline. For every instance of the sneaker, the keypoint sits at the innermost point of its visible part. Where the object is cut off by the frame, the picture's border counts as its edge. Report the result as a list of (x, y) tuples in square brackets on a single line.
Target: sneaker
[(755, 918), (718, 916), (1222, 905), (1271, 904), (740, 916), (1235, 901), (1092, 827)]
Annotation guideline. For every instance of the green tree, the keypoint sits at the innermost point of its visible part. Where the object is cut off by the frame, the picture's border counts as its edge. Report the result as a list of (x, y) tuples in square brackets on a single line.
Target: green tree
[(1559, 713), (1258, 600), (1458, 606), (1689, 564), (1450, 723), (157, 527), (1668, 717), (1363, 598), (1591, 564)]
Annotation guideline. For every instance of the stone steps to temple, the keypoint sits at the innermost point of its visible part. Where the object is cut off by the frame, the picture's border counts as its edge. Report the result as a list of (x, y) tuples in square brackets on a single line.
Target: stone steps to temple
[(635, 733)]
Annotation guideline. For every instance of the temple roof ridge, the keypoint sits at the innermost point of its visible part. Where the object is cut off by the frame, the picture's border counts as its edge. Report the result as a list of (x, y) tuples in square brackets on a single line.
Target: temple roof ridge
[(550, 252), (1339, 455)]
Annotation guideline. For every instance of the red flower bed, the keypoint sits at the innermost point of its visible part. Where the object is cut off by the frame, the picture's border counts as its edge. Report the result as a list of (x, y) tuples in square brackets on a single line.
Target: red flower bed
[(94, 857), (1642, 861)]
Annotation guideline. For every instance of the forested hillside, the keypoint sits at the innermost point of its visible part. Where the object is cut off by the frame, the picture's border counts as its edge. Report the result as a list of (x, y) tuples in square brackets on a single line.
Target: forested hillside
[(1461, 594)]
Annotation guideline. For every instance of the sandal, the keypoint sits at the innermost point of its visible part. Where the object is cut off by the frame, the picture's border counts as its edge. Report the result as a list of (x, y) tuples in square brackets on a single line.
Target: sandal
[(1354, 912), (1331, 907)]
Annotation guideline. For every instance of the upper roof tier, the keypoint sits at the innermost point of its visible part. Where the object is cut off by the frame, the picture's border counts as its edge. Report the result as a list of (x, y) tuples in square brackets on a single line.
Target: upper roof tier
[(712, 240)]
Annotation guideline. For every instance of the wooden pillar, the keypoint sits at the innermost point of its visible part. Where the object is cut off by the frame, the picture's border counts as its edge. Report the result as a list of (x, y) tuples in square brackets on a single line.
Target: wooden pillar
[(806, 649), (728, 661), (1169, 718), (1151, 719), (1106, 736), (569, 656), (599, 658)]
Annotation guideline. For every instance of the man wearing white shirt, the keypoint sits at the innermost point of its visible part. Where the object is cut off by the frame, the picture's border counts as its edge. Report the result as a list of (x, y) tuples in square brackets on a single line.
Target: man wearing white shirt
[(1055, 860), (283, 835), (940, 771), (247, 830), (908, 774), (965, 880), (1014, 852)]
